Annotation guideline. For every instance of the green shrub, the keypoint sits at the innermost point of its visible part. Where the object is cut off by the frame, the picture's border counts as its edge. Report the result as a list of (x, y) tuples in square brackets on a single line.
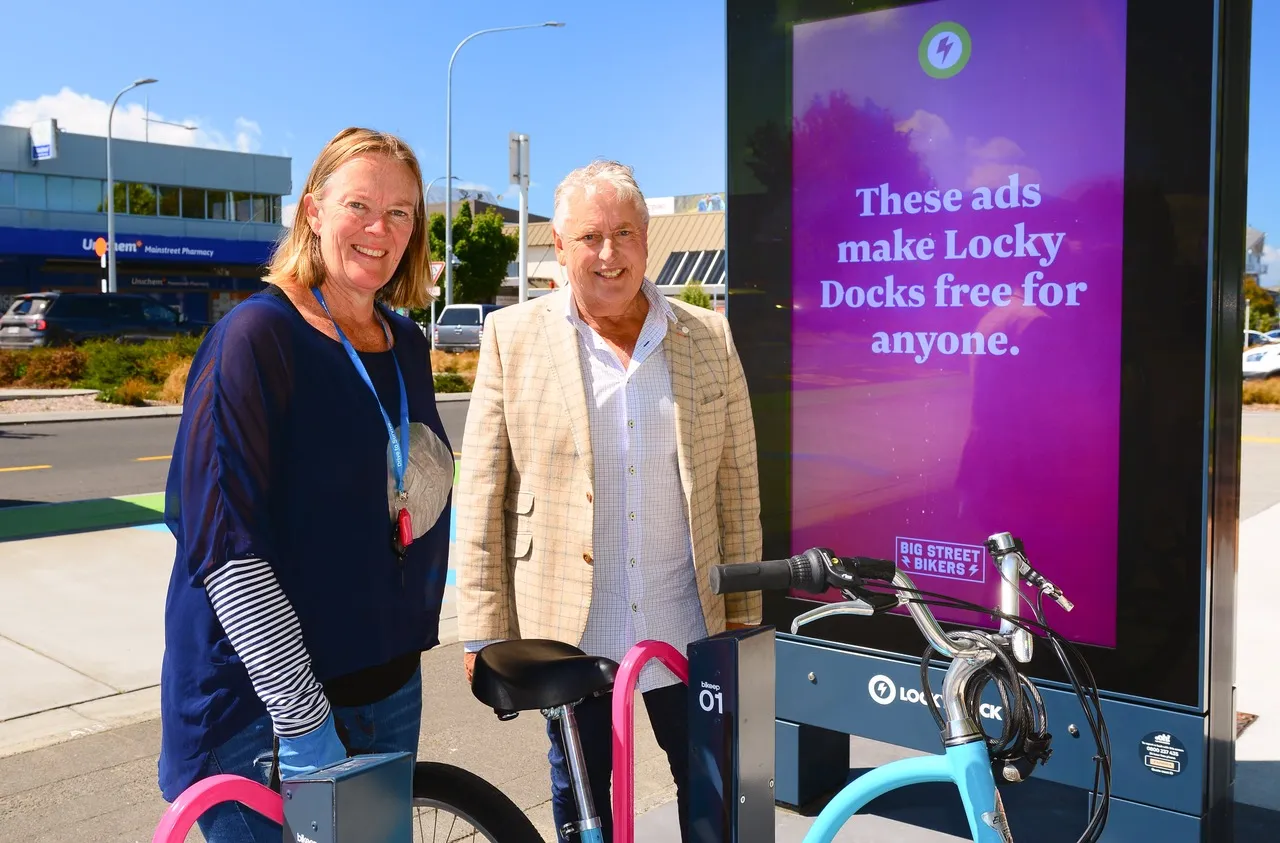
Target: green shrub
[(694, 294), (53, 368), (1262, 392), (134, 392), (451, 382), (12, 365)]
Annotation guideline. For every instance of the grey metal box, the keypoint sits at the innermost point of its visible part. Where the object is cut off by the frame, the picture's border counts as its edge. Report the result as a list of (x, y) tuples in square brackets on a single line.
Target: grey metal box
[(731, 737), (364, 799)]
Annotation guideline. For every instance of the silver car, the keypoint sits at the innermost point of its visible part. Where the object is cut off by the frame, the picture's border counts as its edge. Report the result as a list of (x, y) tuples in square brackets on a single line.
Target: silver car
[(461, 326)]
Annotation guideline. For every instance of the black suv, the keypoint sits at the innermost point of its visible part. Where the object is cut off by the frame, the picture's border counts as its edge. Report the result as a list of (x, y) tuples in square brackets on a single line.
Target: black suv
[(41, 319)]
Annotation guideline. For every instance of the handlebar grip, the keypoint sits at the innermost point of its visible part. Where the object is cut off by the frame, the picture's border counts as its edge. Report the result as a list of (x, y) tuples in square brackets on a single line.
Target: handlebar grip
[(806, 572), (770, 575)]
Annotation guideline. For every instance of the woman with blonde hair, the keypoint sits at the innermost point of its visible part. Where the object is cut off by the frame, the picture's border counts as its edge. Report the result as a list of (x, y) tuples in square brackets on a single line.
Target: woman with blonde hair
[(309, 496)]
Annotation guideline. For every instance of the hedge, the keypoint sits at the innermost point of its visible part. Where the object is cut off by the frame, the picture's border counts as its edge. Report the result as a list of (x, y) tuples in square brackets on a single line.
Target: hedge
[(135, 374)]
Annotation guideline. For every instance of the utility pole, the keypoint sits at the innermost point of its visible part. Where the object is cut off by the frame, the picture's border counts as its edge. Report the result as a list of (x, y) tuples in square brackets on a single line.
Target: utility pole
[(518, 147)]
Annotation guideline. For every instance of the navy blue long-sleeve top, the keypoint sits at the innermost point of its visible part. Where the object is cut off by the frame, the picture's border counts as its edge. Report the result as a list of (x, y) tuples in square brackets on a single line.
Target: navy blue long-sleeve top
[(281, 455)]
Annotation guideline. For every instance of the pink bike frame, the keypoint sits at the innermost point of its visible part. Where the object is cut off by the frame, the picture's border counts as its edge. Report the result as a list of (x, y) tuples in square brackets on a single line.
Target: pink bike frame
[(206, 793), (624, 744)]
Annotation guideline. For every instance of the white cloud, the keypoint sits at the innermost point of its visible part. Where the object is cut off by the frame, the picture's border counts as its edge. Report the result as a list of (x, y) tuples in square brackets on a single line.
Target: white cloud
[(287, 211), (85, 115), (996, 149), (994, 175), (928, 130), (248, 135)]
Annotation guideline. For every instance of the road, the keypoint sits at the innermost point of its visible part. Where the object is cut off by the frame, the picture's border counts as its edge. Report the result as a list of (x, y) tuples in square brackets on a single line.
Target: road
[(80, 460), (42, 463)]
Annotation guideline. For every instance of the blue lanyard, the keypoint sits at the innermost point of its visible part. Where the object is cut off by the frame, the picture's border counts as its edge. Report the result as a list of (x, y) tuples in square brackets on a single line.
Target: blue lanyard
[(396, 449)]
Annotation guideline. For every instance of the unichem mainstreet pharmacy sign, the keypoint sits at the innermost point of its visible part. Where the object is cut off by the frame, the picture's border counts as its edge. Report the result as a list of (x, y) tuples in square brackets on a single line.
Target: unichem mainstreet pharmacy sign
[(85, 244)]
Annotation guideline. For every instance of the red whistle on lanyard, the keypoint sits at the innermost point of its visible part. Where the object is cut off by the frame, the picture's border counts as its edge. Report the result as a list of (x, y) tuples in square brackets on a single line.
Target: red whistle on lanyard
[(404, 522)]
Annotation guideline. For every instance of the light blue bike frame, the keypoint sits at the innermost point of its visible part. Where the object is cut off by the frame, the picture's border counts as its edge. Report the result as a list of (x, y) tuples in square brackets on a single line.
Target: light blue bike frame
[(967, 766), (966, 763)]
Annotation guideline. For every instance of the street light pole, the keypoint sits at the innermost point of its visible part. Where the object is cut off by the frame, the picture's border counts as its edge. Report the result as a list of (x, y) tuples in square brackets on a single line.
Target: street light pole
[(426, 200), (448, 151), (111, 191)]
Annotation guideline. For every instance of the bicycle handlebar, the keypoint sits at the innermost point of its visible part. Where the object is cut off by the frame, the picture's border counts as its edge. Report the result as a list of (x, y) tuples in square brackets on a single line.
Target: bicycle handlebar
[(819, 569)]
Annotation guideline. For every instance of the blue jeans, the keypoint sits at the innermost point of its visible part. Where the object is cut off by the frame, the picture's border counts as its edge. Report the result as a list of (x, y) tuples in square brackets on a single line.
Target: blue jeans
[(669, 716), (390, 725)]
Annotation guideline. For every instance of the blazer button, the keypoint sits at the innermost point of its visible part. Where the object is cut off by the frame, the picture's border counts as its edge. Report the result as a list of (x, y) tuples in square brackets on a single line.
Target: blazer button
[(586, 557), (589, 498)]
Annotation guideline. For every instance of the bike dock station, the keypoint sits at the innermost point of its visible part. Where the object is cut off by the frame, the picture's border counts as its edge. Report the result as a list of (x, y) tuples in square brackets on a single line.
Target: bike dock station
[(917, 194)]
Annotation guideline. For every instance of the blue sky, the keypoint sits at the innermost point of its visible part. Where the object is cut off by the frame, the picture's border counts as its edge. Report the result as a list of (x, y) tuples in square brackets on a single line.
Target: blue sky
[(1264, 132), (643, 83)]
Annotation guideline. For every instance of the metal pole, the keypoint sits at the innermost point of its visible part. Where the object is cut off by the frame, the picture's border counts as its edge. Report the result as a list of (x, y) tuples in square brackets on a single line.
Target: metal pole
[(524, 217), (111, 192), (524, 243), (448, 151)]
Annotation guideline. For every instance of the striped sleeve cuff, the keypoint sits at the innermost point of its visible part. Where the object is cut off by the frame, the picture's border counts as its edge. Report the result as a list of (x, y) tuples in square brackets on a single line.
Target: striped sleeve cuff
[(264, 630)]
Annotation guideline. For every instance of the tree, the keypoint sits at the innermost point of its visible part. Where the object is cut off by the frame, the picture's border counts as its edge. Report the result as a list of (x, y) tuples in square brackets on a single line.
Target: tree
[(484, 250), (694, 294), (139, 200), (1262, 306)]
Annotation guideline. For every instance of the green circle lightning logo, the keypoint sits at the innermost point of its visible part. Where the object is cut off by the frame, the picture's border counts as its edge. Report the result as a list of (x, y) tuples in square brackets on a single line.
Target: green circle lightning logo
[(944, 50)]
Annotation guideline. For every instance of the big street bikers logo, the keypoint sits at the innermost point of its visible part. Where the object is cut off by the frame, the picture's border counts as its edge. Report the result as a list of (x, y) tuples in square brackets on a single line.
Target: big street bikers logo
[(944, 50), (883, 691)]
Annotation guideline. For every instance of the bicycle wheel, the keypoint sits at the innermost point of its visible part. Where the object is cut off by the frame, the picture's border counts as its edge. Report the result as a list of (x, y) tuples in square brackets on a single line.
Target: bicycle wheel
[(452, 804)]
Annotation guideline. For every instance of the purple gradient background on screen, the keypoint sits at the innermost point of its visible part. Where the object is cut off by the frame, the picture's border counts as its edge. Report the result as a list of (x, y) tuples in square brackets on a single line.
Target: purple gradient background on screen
[(960, 447)]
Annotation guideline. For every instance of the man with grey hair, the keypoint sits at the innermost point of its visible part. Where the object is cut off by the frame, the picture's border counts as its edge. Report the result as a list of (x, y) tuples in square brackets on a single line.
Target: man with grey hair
[(609, 462)]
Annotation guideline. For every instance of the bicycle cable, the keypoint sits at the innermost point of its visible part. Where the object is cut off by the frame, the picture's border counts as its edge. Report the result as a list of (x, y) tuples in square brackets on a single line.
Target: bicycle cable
[(1023, 718)]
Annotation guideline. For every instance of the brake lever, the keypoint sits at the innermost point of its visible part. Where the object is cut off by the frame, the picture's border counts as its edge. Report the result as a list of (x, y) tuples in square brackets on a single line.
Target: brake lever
[(855, 606)]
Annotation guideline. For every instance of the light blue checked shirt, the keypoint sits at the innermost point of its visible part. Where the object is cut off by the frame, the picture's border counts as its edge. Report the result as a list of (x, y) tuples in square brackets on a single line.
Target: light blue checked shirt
[(643, 584)]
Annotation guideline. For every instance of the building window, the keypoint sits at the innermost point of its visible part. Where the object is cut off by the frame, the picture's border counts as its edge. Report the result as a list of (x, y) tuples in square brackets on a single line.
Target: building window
[(86, 194), (68, 194), (218, 205), (193, 203), (6, 190), (682, 267), (58, 191), (276, 215), (170, 199), (261, 208), (29, 191), (242, 205), (142, 200)]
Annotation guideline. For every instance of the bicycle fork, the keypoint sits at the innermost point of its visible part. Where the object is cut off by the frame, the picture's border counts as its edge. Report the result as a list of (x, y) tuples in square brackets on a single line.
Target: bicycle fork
[(588, 824)]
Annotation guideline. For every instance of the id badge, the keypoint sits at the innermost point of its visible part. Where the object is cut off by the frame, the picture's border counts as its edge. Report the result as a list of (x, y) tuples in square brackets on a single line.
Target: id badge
[(428, 481)]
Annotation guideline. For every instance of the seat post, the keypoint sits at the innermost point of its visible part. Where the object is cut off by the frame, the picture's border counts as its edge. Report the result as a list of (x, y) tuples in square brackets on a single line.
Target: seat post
[(587, 817)]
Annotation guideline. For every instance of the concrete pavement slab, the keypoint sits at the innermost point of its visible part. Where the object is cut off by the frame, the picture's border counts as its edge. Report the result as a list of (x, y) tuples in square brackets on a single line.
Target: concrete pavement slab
[(11, 394), (90, 415), (34, 682), (1257, 680), (93, 602)]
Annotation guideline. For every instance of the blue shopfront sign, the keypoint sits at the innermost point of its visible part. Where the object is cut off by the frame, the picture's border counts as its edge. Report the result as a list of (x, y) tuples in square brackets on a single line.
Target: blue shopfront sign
[(84, 244)]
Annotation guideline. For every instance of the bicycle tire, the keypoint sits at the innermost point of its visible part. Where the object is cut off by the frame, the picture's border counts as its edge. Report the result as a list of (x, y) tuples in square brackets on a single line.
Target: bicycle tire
[(473, 799)]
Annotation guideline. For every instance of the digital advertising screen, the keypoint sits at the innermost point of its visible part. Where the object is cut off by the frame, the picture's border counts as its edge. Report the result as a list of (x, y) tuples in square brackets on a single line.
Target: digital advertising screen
[(973, 272), (957, 243)]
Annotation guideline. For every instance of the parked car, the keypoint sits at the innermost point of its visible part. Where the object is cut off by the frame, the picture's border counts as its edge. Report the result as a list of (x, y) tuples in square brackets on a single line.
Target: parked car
[(46, 319), (1252, 338), (460, 327), (1262, 361)]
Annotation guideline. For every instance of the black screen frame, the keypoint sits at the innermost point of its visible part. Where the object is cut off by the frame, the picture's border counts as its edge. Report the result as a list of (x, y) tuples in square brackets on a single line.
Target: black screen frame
[(1171, 323)]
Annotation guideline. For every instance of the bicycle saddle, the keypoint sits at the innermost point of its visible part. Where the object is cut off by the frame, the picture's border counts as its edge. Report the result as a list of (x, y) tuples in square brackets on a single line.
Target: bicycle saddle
[(530, 675)]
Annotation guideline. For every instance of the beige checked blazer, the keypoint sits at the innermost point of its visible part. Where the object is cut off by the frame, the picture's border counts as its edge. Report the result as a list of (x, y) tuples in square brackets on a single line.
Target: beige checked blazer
[(524, 497)]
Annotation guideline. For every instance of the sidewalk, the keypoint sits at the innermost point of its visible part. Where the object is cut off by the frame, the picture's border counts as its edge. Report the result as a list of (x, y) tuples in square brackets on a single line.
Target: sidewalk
[(81, 622), (81, 675)]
